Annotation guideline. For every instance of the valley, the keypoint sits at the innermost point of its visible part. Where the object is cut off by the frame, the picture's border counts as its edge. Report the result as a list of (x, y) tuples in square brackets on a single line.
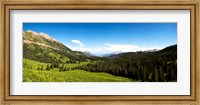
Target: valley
[(47, 60)]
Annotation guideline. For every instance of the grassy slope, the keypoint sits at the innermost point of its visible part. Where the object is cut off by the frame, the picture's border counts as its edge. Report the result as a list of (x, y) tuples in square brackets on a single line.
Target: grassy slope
[(34, 75)]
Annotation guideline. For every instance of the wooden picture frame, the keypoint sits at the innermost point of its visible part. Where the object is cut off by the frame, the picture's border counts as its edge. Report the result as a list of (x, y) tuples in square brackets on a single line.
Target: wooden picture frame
[(7, 5)]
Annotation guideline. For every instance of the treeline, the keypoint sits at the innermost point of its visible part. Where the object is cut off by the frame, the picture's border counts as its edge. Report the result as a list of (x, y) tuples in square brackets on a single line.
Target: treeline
[(158, 66), (61, 67)]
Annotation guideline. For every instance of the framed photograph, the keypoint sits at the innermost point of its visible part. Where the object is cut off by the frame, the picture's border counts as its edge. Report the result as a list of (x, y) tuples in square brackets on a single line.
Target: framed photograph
[(100, 52)]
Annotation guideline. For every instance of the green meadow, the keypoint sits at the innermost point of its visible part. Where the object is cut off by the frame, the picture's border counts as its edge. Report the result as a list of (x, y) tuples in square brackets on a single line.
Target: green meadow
[(32, 74)]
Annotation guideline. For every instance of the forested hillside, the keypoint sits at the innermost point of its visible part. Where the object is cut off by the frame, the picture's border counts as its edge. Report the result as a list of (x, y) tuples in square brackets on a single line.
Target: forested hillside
[(146, 66)]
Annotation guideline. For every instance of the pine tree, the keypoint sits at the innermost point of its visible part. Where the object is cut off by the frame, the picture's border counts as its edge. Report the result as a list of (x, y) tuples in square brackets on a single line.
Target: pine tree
[(161, 75), (48, 67), (41, 67), (155, 74), (51, 66)]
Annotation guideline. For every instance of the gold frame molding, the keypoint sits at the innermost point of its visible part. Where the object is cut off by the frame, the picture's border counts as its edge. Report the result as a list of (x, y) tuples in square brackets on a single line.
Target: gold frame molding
[(7, 5)]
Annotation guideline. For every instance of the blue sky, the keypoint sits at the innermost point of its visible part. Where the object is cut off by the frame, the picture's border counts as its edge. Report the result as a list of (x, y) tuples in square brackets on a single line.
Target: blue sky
[(102, 38)]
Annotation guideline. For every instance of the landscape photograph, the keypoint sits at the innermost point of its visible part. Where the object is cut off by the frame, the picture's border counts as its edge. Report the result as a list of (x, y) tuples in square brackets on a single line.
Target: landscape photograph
[(99, 52)]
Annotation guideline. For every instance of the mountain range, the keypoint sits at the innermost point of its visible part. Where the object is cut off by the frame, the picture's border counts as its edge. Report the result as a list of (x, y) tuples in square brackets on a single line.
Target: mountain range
[(41, 47)]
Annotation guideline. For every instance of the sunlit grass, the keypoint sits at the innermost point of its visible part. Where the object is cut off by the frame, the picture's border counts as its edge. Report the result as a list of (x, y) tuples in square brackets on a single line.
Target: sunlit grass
[(31, 74)]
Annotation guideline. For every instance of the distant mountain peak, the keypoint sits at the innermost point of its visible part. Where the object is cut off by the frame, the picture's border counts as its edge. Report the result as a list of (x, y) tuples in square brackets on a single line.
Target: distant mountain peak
[(85, 53)]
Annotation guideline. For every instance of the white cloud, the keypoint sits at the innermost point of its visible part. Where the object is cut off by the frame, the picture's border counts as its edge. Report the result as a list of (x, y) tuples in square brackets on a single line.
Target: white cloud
[(77, 42), (121, 48), (91, 50), (112, 48)]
